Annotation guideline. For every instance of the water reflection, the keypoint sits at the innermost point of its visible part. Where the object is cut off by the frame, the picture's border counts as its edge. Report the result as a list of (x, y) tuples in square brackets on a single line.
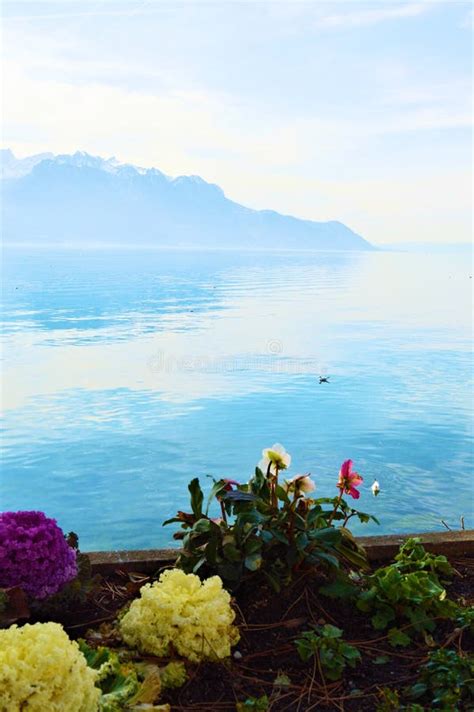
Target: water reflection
[(128, 373)]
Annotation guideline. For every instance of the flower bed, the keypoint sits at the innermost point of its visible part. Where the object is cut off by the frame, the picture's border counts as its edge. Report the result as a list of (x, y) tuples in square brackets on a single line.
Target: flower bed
[(273, 606)]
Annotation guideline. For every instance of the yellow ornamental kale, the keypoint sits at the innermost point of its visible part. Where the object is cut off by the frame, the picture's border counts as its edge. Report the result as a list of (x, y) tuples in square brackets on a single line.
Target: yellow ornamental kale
[(41, 670), (182, 613), (173, 675)]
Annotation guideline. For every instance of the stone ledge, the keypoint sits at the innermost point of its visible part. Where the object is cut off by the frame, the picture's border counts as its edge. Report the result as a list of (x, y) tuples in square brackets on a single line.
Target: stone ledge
[(452, 544), (145, 561), (379, 548)]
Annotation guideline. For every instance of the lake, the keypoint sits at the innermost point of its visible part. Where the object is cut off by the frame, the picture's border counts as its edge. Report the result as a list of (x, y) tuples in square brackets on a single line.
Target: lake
[(128, 372)]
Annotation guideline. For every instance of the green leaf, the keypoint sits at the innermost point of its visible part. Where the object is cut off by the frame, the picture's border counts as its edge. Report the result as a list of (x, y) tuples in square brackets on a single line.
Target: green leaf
[(216, 488), (282, 680), (122, 689), (331, 631), (282, 494), (397, 638), (202, 526), (329, 536), (340, 588), (383, 617), (354, 557), (364, 518), (327, 500), (302, 541), (252, 546), (317, 518), (96, 657), (351, 551), (278, 535), (418, 689), (351, 653), (231, 552), (324, 556), (381, 660), (197, 497)]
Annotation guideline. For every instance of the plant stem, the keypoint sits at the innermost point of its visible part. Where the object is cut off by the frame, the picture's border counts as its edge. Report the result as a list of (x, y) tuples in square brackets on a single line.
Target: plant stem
[(336, 507), (291, 527), (274, 485), (224, 515)]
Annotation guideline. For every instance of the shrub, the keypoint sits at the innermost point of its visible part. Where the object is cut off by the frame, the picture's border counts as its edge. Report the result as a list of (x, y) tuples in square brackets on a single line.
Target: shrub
[(409, 590), (181, 613), (413, 557), (34, 554), (41, 669), (269, 526)]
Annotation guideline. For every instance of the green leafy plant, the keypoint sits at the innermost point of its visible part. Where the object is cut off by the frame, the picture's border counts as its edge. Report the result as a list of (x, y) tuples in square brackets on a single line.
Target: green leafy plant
[(408, 590), (414, 557), (125, 685), (446, 681), (268, 526), (390, 702), (333, 653), (464, 618)]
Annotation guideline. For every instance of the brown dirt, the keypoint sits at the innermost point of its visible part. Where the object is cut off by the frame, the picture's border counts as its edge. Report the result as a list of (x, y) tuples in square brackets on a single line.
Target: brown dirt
[(268, 624)]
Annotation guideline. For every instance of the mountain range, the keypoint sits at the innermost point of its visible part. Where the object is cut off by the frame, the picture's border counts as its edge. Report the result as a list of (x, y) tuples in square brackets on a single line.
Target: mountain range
[(84, 199)]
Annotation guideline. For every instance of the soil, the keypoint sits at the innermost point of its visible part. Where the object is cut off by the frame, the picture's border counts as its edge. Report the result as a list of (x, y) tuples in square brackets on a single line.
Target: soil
[(268, 624)]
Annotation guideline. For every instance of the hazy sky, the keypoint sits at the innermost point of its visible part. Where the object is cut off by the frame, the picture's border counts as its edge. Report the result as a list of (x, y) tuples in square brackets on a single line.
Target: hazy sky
[(355, 111)]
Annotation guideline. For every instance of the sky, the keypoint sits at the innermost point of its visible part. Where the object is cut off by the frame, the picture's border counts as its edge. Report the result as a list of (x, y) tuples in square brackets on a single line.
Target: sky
[(352, 111)]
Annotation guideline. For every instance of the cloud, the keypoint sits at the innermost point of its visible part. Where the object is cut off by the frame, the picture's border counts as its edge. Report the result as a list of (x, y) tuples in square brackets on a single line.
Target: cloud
[(446, 93), (259, 160), (362, 18), (152, 109)]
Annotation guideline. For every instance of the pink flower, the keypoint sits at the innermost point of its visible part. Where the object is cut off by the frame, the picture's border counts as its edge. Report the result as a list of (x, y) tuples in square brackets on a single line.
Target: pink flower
[(229, 484), (349, 480)]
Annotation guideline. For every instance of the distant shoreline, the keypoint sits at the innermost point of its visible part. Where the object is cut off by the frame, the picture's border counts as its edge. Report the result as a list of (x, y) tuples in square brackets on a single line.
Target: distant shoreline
[(171, 248), (432, 248)]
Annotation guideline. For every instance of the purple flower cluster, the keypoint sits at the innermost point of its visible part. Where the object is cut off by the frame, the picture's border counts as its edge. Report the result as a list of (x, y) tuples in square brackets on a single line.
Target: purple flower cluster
[(34, 554)]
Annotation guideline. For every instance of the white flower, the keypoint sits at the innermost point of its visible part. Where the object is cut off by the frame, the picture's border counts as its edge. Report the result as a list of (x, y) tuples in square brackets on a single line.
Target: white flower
[(275, 456), (303, 484), (375, 488)]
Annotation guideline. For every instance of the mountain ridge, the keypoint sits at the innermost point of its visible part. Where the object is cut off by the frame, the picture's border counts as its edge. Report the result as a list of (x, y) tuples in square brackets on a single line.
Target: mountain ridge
[(83, 198)]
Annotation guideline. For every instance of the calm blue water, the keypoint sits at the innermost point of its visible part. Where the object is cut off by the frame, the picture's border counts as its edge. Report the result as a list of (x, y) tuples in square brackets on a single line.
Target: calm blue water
[(127, 373)]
